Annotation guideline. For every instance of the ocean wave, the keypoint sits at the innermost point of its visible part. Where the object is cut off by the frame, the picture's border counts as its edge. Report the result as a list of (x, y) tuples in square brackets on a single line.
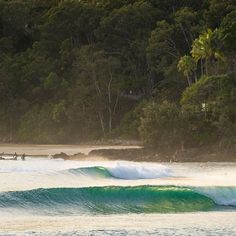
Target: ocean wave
[(223, 196), (133, 172), (121, 171), (113, 200)]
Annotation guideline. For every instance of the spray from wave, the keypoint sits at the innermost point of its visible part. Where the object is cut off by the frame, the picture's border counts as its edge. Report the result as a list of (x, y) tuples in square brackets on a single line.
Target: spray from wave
[(133, 172)]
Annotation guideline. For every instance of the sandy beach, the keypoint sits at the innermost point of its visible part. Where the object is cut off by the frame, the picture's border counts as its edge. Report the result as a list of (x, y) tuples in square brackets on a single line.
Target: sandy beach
[(46, 150)]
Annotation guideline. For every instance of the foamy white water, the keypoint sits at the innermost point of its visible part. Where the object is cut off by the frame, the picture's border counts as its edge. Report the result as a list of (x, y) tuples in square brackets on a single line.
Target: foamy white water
[(136, 171)]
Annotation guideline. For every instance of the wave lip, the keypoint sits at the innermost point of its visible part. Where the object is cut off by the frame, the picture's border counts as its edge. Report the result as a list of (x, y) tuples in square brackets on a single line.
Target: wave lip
[(133, 172), (223, 196), (106, 200), (125, 172)]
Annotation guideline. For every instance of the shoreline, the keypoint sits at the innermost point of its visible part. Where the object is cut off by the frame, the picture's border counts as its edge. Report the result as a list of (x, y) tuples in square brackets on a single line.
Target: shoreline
[(117, 152), (52, 149), (147, 155)]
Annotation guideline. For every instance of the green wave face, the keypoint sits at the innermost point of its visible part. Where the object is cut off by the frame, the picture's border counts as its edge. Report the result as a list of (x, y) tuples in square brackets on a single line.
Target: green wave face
[(97, 171), (107, 200)]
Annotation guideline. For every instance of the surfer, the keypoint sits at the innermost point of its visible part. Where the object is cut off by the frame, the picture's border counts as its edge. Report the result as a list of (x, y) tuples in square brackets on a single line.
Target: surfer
[(23, 157), (15, 156)]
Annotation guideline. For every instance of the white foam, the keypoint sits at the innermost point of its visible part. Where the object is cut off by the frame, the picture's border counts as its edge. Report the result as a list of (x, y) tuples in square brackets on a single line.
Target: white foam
[(225, 196), (138, 171)]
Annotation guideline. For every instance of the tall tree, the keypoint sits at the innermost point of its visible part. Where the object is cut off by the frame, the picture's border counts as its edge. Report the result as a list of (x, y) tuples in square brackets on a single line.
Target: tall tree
[(205, 50), (188, 66)]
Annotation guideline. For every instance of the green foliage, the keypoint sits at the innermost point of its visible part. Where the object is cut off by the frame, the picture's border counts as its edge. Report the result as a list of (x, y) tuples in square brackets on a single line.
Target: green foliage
[(50, 83), (210, 89), (205, 49), (36, 125), (188, 66), (207, 115), (212, 99), (131, 122), (74, 70), (161, 125), (217, 10), (228, 30)]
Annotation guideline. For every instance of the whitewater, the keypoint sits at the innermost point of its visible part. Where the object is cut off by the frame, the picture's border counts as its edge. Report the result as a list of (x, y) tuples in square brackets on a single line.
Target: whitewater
[(43, 196)]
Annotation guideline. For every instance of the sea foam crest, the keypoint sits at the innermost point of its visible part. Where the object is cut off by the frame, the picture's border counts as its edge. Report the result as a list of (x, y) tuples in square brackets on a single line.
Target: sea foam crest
[(132, 172), (224, 196)]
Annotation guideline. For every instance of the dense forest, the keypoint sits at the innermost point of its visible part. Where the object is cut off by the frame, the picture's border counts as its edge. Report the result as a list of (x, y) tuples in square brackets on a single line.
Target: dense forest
[(160, 71)]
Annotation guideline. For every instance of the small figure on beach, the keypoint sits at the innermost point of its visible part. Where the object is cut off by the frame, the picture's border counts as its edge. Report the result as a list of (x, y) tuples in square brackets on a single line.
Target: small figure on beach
[(23, 157), (15, 156), (1, 157)]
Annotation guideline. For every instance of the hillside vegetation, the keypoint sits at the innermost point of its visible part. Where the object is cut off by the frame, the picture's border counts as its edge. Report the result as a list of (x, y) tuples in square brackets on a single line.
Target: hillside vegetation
[(78, 70)]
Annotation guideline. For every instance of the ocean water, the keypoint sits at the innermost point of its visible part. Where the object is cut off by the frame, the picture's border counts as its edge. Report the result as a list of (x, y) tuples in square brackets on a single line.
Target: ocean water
[(55, 197)]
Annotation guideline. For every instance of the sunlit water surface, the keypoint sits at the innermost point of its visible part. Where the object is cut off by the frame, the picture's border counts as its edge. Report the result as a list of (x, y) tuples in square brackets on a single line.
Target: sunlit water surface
[(55, 197)]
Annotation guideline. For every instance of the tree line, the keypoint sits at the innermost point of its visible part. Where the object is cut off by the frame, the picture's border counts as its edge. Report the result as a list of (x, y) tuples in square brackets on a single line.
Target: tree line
[(159, 71)]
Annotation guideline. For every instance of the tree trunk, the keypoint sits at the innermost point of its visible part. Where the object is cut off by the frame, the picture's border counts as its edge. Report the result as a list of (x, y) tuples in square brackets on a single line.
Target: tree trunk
[(189, 82), (185, 37), (102, 123), (99, 93), (206, 66), (117, 101), (195, 76), (202, 71), (109, 102)]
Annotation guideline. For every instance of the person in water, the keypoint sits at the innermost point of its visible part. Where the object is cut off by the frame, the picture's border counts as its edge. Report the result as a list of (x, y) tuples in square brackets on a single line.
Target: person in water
[(23, 157), (15, 156)]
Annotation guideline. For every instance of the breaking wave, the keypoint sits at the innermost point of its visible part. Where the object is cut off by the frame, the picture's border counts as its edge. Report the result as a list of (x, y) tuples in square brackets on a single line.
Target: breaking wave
[(129, 172), (116, 200)]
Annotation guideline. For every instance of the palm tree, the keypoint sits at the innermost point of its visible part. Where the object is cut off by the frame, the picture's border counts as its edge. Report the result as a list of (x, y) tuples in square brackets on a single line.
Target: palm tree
[(187, 65), (204, 49)]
